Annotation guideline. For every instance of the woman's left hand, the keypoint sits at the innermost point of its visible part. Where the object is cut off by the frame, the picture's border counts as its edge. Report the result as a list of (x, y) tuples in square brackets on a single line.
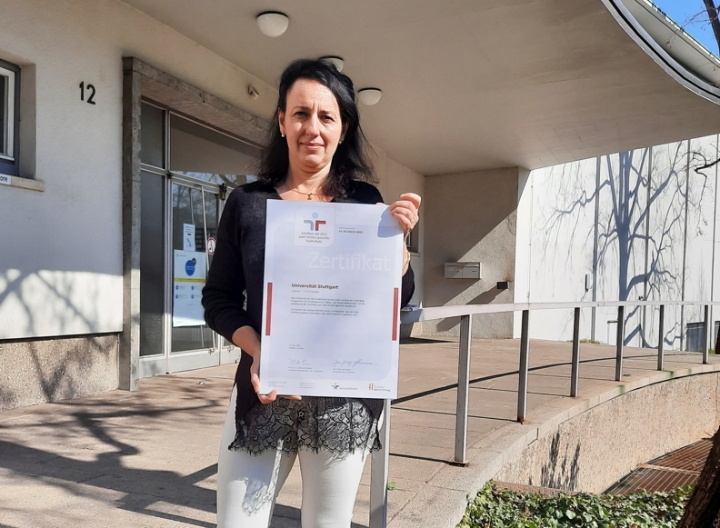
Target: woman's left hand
[(405, 211)]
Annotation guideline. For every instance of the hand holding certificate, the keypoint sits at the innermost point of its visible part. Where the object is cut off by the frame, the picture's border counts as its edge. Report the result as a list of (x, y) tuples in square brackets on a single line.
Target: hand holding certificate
[(332, 300)]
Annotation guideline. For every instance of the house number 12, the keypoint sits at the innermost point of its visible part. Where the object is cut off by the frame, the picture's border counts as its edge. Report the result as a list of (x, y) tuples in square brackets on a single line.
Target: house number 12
[(87, 93)]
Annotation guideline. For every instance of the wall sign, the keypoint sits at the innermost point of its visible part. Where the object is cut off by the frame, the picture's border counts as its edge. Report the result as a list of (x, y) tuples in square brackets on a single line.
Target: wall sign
[(87, 93), (189, 276), (188, 237)]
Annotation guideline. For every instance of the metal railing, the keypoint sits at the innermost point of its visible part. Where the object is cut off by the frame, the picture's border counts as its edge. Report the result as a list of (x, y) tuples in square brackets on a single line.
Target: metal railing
[(380, 459)]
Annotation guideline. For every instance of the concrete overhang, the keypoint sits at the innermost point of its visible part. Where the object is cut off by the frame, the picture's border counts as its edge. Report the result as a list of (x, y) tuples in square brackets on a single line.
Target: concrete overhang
[(471, 85)]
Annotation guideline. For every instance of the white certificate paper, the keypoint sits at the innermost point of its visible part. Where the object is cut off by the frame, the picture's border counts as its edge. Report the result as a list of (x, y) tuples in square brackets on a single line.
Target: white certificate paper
[(331, 310)]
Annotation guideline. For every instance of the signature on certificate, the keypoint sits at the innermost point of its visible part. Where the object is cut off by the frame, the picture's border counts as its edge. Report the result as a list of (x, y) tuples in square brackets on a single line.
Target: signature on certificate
[(351, 363), (298, 362)]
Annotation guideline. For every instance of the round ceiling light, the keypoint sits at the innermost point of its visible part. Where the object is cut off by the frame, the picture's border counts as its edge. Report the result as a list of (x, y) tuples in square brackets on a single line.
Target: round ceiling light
[(369, 96), (338, 62), (272, 23)]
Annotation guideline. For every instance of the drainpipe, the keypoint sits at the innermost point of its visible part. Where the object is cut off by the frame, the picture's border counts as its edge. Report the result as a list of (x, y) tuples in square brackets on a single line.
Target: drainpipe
[(647, 247), (685, 240), (714, 244), (593, 322)]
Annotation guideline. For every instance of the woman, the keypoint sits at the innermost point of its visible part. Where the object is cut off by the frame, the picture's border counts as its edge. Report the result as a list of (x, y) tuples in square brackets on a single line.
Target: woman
[(316, 152)]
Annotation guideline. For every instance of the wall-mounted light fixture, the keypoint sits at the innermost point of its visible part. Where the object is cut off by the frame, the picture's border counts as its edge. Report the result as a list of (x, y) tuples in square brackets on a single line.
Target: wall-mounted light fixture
[(336, 61), (369, 96), (272, 23)]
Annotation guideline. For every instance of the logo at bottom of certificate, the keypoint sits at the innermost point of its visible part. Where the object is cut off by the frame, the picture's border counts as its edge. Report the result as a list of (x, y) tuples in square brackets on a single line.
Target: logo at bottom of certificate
[(377, 388), (337, 386)]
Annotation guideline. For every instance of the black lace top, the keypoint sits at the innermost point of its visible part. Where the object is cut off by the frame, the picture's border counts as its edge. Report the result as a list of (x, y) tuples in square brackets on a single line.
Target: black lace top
[(233, 297)]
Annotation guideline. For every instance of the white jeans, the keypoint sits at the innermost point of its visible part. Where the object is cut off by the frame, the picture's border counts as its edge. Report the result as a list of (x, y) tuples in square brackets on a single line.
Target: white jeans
[(247, 485)]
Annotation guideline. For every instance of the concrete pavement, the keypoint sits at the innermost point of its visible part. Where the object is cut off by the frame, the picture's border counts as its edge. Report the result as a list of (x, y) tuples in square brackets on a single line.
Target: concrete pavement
[(148, 459)]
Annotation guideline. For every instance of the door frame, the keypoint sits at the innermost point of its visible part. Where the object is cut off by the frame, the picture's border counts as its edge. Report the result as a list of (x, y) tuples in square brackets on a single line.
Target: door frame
[(143, 81)]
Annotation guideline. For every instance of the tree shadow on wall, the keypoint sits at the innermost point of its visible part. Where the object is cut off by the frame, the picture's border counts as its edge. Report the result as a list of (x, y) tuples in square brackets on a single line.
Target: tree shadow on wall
[(65, 376), (62, 377), (641, 218), (560, 472)]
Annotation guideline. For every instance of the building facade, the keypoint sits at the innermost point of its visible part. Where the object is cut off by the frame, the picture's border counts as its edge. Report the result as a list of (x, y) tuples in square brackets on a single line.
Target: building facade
[(121, 136), (121, 140), (630, 226)]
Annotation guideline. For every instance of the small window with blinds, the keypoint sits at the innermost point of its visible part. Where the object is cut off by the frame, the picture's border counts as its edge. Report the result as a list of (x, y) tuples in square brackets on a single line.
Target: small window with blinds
[(9, 117)]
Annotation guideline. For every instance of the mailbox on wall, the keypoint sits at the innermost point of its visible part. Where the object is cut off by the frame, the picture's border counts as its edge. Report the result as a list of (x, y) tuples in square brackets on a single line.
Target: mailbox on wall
[(463, 270)]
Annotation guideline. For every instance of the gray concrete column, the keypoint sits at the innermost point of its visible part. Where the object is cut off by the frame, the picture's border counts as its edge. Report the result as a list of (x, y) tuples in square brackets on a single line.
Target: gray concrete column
[(129, 353), (471, 217)]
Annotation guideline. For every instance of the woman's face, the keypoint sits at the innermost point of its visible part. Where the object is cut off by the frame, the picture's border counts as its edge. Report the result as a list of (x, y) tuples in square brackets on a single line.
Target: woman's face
[(312, 126)]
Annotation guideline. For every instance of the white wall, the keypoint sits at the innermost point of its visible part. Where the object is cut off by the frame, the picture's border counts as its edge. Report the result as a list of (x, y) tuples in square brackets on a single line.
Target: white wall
[(540, 225), (628, 210), (61, 258), (700, 220)]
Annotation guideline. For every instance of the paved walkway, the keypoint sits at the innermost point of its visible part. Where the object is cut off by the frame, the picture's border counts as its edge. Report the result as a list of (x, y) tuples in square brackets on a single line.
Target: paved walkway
[(148, 459)]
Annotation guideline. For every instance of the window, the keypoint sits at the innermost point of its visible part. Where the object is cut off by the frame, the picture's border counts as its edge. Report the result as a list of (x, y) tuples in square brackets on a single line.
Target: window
[(412, 241), (9, 117)]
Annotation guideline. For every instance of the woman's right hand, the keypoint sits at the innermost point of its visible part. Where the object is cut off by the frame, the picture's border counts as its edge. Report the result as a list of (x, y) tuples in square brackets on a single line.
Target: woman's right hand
[(248, 340), (255, 380)]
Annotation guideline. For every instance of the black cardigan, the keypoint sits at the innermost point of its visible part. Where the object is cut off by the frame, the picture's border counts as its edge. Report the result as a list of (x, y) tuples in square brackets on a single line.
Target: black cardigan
[(233, 294)]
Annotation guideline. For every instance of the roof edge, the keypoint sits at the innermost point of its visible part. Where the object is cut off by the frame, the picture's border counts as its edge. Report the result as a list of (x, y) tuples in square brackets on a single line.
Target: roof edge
[(679, 71)]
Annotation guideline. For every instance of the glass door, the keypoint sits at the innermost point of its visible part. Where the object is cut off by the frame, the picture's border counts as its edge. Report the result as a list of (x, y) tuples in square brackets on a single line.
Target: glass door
[(195, 213), (187, 171), (179, 228)]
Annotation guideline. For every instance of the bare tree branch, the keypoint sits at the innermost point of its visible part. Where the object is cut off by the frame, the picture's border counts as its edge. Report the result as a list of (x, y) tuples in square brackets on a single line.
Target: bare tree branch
[(699, 169), (712, 13)]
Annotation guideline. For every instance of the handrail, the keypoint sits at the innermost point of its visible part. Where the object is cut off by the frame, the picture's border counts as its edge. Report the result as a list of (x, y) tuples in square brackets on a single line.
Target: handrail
[(380, 459), (442, 312)]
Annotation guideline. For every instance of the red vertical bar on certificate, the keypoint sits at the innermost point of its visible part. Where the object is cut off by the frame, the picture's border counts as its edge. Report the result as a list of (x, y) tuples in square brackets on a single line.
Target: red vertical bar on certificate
[(268, 317), (396, 302)]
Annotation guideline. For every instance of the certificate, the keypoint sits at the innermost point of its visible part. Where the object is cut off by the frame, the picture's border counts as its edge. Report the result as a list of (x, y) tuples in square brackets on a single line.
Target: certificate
[(331, 310)]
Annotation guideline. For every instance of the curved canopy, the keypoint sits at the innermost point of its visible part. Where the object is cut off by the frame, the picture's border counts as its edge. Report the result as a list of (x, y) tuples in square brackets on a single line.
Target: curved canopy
[(673, 47)]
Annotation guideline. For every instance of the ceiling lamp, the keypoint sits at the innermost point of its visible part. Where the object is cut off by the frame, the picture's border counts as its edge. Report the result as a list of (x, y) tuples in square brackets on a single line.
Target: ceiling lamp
[(338, 62), (272, 23), (369, 96)]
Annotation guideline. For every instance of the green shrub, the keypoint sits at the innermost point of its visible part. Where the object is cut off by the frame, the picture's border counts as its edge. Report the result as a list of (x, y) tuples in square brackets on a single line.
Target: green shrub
[(494, 508)]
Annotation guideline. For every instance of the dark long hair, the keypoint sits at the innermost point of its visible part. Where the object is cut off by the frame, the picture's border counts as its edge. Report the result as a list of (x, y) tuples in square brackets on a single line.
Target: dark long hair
[(351, 160)]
